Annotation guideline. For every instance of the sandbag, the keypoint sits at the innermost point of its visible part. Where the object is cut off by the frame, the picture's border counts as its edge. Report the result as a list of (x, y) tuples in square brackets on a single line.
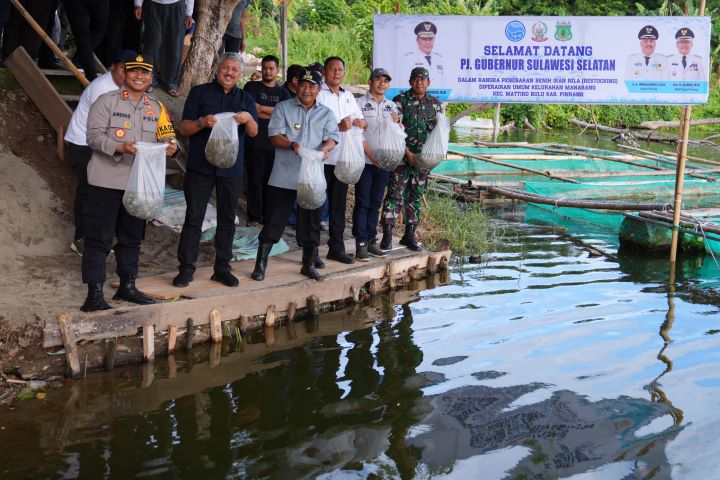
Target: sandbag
[(392, 147), (222, 146), (436, 146), (143, 197), (351, 157), (311, 191)]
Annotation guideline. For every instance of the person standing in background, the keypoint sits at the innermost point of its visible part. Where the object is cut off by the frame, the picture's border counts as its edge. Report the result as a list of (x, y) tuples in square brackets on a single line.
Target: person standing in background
[(347, 114), (165, 23), (234, 38), (370, 189), (122, 32), (19, 33), (260, 152), (76, 137), (88, 21)]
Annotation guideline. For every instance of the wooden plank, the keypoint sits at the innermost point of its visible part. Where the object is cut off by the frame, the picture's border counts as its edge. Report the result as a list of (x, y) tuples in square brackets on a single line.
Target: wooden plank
[(215, 326), (39, 89), (125, 321), (270, 316), (313, 305), (172, 338), (148, 343), (61, 142), (189, 333), (68, 339), (291, 312)]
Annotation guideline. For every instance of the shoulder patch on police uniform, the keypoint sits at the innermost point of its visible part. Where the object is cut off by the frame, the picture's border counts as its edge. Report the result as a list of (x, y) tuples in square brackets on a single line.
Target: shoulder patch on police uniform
[(165, 128)]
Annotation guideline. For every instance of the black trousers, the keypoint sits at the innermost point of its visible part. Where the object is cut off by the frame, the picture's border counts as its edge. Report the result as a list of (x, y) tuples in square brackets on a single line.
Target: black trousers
[(198, 188), (104, 216), (164, 33), (122, 33), (337, 196), (19, 33), (276, 211), (79, 159), (88, 21), (259, 165)]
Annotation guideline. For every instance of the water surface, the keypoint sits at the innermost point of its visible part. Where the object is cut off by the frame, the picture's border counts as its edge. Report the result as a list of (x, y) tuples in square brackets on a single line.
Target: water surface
[(546, 362)]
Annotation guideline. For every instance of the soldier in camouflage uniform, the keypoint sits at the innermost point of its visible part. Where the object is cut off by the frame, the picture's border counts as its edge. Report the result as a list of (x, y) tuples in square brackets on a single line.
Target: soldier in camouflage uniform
[(407, 183)]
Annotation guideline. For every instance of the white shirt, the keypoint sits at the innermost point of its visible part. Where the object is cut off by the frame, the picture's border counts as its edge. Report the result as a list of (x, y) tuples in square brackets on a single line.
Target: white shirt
[(433, 62), (342, 105), (639, 67), (78, 123), (378, 117), (189, 4), (693, 69)]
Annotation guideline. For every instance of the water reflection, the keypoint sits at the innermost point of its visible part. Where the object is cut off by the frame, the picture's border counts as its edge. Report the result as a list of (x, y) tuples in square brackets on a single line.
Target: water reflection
[(544, 362)]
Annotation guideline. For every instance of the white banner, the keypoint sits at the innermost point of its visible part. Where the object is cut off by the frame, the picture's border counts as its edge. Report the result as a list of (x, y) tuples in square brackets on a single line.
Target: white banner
[(629, 60)]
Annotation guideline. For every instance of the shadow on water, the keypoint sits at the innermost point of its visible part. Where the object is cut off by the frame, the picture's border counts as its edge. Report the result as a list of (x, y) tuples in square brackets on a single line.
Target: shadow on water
[(481, 372)]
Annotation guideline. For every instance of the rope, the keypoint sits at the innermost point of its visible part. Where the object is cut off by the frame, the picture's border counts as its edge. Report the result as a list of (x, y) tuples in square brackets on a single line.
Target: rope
[(699, 225)]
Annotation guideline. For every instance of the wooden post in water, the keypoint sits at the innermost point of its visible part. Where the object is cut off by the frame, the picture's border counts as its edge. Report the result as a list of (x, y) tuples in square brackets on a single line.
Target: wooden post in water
[(496, 123), (685, 115)]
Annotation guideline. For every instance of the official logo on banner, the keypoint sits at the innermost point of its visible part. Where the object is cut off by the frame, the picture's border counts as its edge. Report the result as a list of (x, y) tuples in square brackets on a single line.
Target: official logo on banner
[(539, 32), (563, 31), (515, 31)]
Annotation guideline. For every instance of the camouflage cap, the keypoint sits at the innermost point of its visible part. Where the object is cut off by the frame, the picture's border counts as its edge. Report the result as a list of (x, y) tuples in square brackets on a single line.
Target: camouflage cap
[(419, 72)]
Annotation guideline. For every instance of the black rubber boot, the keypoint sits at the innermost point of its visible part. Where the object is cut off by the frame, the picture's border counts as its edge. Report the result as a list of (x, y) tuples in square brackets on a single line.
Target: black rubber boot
[(308, 263), (386, 242), (374, 250), (128, 291), (409, 240), (261, 261), (95, 299), (340, 256), (361, 252), (318, 261)]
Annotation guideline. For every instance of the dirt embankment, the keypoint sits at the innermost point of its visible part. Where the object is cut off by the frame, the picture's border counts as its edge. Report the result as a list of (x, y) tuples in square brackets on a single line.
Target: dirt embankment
[(40, 274)]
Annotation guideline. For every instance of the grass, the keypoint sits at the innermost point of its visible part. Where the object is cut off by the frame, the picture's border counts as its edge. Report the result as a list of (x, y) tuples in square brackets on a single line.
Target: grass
[(465, 226)]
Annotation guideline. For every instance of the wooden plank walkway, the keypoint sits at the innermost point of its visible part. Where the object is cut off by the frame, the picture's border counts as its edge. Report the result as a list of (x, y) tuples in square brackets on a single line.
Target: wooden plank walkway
[(284, 290)]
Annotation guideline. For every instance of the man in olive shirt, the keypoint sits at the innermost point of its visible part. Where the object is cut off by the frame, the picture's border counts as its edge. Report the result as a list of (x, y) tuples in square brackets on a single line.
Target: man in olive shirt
[(259, 151), (295, 124)]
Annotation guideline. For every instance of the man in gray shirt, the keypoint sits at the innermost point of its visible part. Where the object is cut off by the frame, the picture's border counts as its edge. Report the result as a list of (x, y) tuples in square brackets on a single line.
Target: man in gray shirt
[(295, 124)]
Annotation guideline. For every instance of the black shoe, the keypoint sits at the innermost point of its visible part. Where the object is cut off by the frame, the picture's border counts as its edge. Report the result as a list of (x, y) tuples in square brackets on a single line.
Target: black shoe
[(128, 291), (361, 252), (226, 278), (261, 261), (318, 261), (408, 239), (308, 263), (374, 250), (341, 257), (386, 242), (183, 278), (95, 299)]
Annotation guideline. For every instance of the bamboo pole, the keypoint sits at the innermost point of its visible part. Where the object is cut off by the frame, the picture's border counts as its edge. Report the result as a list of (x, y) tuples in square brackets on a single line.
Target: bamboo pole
[(660, 159), (48, 41), (575, 203), (283, 38), (685, 115), (694, 159), (496, 123), (510, 165)]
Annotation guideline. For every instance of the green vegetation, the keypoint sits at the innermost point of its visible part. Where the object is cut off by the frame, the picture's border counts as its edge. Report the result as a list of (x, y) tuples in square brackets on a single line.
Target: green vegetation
[(464, 225), (321, 28)]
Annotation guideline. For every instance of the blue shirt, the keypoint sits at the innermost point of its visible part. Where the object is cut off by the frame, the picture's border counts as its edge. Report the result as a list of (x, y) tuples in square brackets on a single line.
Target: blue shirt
[(308, 127), (209, 99)]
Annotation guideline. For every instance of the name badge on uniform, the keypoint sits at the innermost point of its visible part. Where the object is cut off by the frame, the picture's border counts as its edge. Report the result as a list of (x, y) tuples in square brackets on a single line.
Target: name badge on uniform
[(297, 126)]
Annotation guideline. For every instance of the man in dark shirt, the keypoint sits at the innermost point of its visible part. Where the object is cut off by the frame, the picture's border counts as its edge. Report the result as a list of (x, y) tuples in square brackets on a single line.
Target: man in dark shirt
[(294, 72), (260, 152), (203, 102)]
